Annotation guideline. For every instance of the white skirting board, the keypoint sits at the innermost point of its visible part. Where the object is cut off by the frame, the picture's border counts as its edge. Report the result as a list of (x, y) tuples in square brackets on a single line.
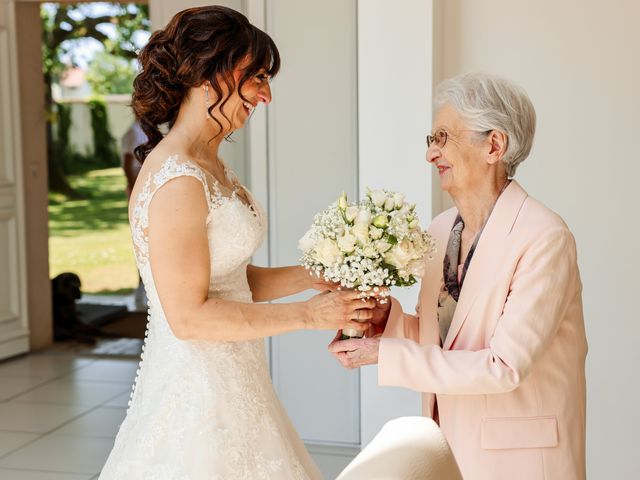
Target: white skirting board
[(332, 459), (15, 346)]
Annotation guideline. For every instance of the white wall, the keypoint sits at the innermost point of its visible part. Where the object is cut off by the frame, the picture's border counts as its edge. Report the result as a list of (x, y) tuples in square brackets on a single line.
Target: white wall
[(579, 61), (119, 115)]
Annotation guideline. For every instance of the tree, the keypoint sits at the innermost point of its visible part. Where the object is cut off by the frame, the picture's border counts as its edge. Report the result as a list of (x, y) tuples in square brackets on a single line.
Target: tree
[(110, 74), (63, 26)]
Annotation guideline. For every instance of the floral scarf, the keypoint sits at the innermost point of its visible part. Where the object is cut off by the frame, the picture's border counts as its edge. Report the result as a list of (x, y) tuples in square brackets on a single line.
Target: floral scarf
[(453, 278)]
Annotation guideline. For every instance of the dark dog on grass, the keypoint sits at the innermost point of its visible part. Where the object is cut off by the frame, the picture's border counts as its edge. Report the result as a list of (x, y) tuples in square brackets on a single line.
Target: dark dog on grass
[(65, 290)]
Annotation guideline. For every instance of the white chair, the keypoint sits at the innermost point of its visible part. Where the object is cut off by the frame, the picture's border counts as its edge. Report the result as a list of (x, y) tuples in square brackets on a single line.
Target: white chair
[(407, 448)]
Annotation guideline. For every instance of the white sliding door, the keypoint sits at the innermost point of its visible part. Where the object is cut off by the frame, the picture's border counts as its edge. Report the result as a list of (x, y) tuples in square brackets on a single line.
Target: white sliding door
[(312, 139)]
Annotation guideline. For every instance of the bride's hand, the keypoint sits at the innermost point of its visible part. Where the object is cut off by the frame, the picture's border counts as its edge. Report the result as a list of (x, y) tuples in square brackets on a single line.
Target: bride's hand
[(319, 283), (339, 309)]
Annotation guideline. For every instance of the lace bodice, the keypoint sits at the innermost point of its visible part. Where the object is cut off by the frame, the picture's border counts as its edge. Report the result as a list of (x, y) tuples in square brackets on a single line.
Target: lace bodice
[(235, 229), (203, 410)]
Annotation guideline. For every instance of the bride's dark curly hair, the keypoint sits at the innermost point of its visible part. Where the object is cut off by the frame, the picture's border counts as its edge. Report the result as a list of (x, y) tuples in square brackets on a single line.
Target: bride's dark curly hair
[(198, 44)]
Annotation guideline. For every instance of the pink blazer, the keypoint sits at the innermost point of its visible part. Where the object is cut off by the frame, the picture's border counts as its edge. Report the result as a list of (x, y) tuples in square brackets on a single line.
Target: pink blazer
[(509, 381)]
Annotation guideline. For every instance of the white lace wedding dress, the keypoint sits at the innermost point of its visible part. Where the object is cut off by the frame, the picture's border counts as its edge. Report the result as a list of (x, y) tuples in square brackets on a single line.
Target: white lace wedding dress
[(204, 410)]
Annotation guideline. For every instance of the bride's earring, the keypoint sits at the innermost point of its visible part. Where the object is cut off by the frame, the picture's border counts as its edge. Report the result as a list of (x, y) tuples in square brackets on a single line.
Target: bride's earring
[(206, 96)]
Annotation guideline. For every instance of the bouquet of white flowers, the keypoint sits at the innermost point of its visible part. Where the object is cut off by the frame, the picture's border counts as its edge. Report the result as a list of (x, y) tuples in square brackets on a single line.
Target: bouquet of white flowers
[(367, 245)]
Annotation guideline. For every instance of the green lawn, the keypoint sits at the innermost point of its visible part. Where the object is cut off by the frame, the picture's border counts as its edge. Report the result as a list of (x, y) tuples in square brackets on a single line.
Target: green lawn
[(91, 237)]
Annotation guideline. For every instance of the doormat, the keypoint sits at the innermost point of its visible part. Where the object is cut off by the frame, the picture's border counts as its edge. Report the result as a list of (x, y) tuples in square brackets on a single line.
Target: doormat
[(97, 315), (104, 347)]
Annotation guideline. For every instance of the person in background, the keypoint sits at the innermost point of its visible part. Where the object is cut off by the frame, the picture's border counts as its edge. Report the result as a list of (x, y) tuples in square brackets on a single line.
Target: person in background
[(133, 137)]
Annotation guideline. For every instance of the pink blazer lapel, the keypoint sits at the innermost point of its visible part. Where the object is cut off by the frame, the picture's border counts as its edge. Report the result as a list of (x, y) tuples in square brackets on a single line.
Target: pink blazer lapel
[(487, 254)]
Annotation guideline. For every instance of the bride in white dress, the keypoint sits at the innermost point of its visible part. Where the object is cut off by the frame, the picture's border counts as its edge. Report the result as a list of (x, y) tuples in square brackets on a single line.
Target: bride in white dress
[(203, 406)]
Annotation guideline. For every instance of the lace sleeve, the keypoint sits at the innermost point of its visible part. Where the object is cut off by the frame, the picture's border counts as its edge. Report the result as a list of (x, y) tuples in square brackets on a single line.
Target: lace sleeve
[(169, 170)]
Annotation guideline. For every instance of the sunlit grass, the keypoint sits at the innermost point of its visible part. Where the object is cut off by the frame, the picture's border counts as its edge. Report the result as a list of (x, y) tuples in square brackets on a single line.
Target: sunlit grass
[(91, 236)]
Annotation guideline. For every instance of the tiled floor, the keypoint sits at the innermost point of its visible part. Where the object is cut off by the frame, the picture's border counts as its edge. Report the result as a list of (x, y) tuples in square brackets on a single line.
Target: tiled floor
[(59, 414)]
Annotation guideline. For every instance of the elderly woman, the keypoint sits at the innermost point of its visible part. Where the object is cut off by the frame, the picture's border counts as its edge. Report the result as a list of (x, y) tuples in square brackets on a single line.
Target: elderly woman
[(497, 345)]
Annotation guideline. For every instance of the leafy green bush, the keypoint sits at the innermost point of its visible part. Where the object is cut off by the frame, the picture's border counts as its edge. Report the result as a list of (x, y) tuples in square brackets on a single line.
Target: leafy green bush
[(62, 150), (105, 152)]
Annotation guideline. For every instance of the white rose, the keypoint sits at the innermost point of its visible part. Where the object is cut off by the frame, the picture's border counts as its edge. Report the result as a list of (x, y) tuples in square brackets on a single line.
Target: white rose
[(364, 216), (389, 204), (361, 232), (414, 223), (416, 268), (382, 246), (407, 246), (327, 252), (347, 242), (369, 251), (375, 233), (419, 244), (400, 255), (351, 213), (378, 197), (398, 199), (307, 242)]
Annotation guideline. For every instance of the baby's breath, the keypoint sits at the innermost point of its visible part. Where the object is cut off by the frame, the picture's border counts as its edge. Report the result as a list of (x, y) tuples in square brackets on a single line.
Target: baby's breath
[(377, 242)]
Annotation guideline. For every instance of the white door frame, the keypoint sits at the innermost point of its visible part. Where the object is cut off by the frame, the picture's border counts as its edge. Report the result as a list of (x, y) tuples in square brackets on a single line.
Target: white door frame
[(14, 329)]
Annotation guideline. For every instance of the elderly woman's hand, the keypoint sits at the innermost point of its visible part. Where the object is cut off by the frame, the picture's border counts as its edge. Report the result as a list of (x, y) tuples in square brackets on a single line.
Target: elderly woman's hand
[(355, 352)]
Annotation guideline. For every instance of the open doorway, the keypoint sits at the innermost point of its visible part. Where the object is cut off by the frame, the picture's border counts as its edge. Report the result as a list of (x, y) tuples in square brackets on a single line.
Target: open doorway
[(89, 52)]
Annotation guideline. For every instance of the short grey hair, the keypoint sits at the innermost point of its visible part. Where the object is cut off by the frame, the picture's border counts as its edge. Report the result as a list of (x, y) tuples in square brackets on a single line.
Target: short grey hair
[(489, 103)]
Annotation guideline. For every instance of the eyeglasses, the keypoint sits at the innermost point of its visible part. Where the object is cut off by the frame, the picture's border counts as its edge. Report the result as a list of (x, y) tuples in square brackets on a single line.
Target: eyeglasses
[(440, 137)]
